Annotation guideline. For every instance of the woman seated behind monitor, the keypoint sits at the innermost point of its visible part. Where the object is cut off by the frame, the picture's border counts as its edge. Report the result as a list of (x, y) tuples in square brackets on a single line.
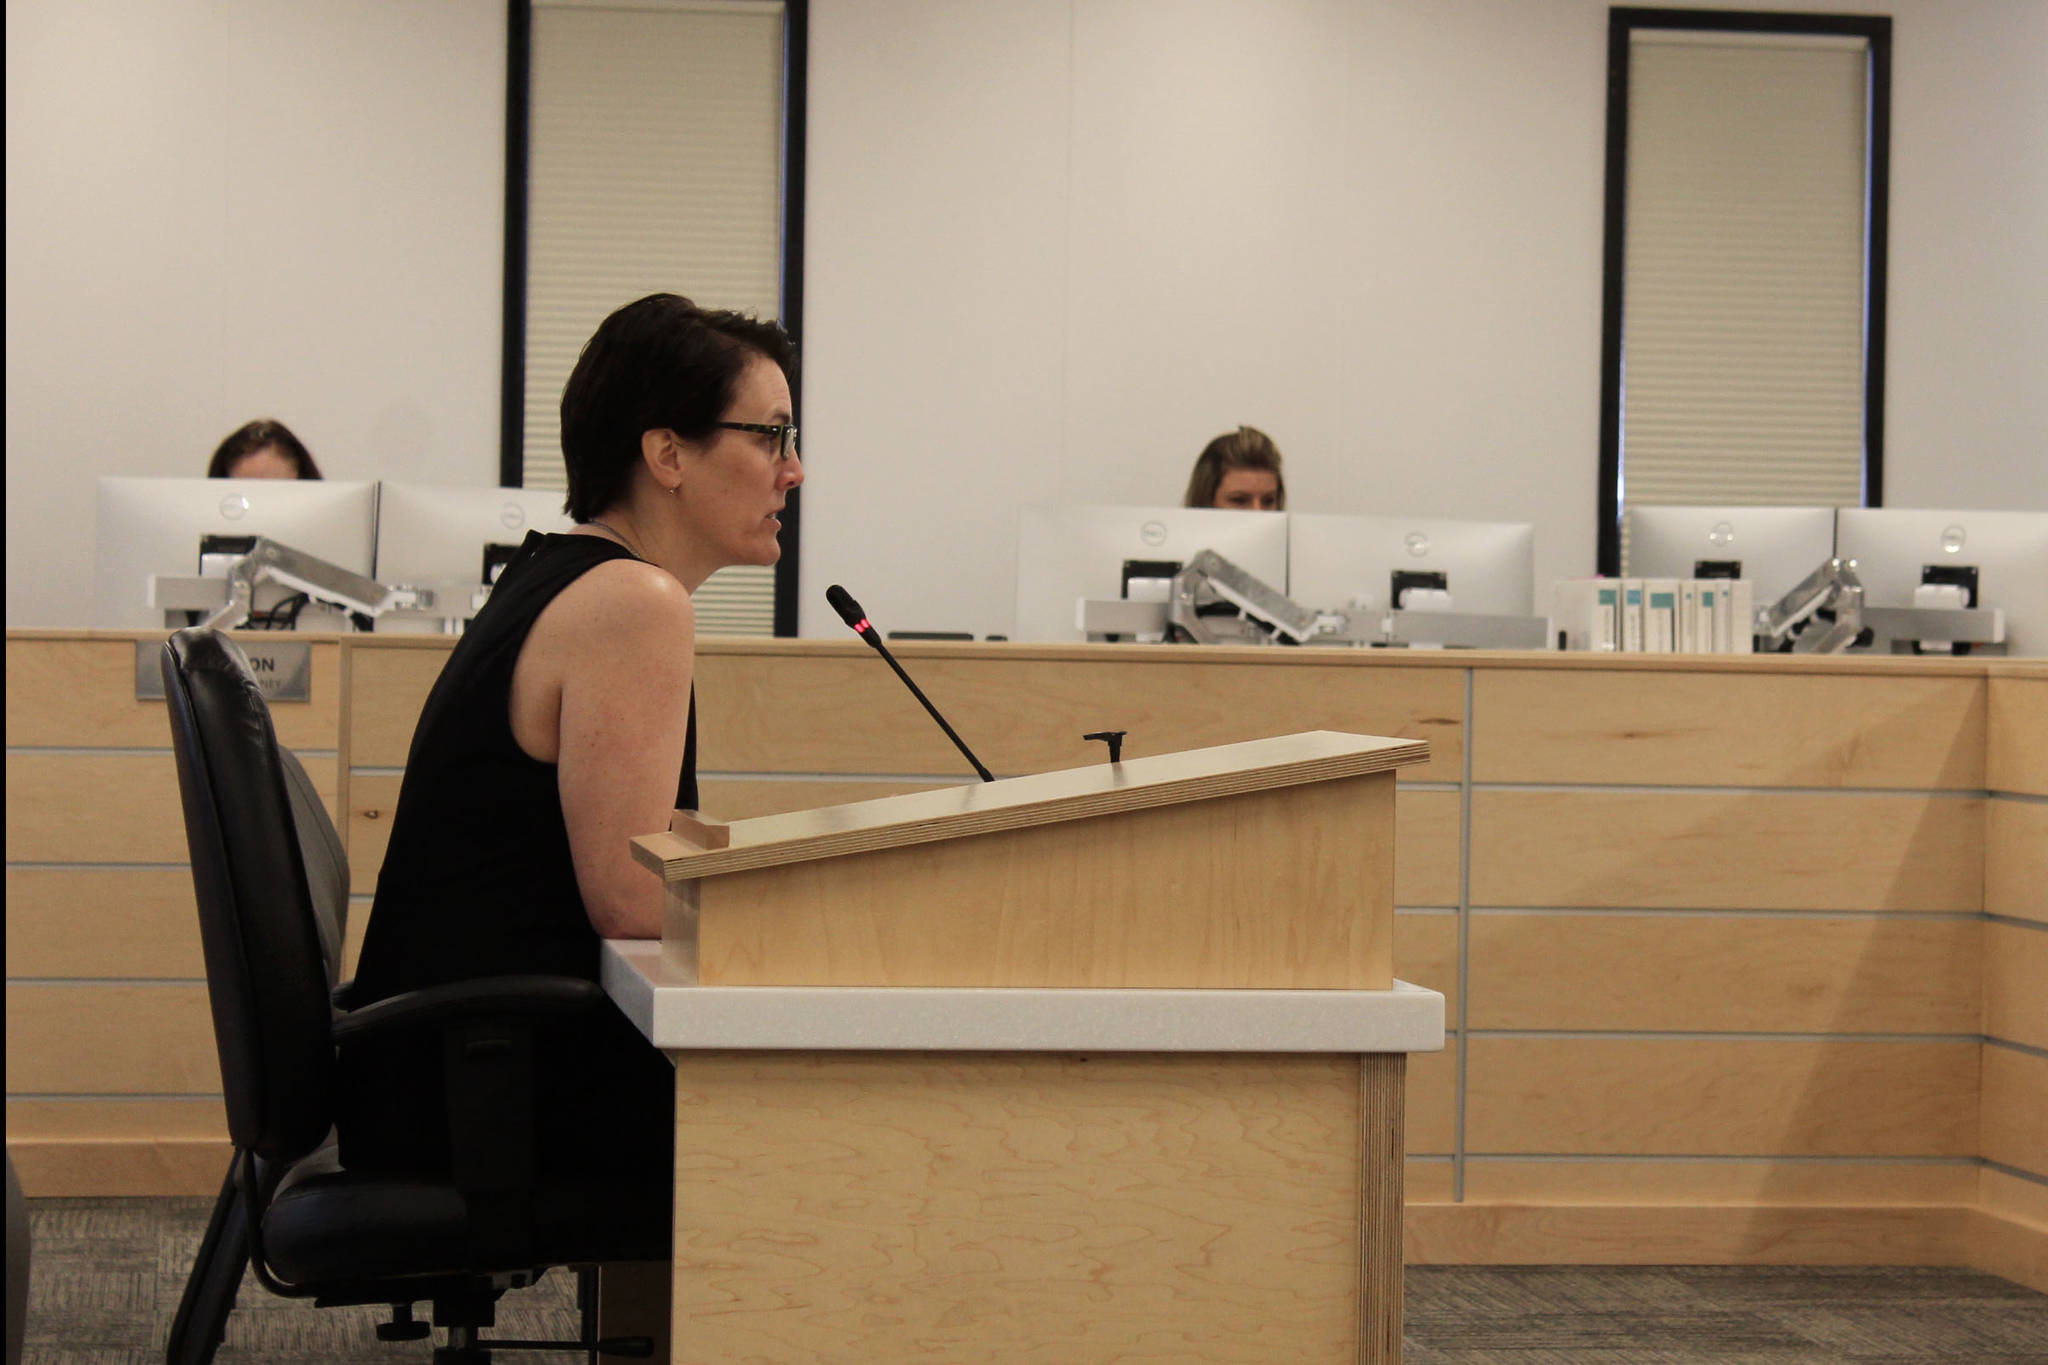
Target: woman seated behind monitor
[(1239, 470), (262, 449), (563, 724)]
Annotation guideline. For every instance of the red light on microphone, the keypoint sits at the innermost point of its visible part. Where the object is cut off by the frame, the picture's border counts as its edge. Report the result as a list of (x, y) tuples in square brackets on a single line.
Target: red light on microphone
[(863, 628)]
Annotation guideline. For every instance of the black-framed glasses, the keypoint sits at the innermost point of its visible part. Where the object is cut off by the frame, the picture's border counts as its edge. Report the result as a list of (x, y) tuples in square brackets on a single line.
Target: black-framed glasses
[(783, 432)]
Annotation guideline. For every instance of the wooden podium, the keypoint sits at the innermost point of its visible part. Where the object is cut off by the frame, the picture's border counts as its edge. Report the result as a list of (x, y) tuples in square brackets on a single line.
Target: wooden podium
[(1084, 1066)]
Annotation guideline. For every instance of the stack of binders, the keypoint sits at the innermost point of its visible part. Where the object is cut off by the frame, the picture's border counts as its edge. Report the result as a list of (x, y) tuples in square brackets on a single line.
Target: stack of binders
[(1655, 615)]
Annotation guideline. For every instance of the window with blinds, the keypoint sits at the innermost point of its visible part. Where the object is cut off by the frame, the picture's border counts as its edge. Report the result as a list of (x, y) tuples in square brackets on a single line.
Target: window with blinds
[(1744, 371), (654, 165)]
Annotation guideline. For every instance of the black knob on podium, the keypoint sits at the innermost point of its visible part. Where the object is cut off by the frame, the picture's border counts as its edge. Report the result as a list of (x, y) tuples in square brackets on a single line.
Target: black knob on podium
[(1114, 739)]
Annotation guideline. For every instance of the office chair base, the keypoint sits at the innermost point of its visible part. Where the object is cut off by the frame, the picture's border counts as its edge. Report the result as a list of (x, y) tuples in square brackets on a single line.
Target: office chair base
[(465, 1347), (403, 1326)]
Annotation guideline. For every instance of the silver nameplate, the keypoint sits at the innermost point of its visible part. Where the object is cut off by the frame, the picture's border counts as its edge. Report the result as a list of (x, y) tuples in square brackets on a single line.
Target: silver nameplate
[(283, 669)]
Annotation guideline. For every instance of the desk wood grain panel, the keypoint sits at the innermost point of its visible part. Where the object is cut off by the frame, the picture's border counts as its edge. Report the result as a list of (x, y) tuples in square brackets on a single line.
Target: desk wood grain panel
[(2015, 983), (87, 1148), (1709, 1182), (2018, 739), (1428, 1182), (1728, 730), (2012, 1197), (2016, 859), (372, 802), (1663, 1234), (1426, 848), (387, 691), (1720, 1097), (102, 922), (1432, 1112), (1024, 715), (352, 938), (1033, 1210), (110, 1040), (2009, 1248), (66, 1120), (106, 808), (1734, 851), (2015, 1114), (1725, 973), (81, 693), (1426, 954), (1284, 889)]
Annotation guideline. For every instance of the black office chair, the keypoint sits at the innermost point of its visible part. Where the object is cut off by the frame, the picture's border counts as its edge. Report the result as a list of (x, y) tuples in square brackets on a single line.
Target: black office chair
[(18, 1247), (273, 894)]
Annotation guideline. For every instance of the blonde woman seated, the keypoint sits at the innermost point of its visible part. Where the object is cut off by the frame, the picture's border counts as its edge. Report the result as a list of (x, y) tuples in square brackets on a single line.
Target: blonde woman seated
[(1239, 471)]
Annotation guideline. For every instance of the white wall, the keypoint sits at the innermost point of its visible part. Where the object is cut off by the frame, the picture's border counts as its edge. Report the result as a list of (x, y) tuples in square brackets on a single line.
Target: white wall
[(1967, 379), (1054, 245), (224, 209)]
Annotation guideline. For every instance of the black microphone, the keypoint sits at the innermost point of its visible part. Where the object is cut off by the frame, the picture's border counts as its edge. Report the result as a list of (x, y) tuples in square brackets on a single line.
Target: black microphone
[(850, 612)]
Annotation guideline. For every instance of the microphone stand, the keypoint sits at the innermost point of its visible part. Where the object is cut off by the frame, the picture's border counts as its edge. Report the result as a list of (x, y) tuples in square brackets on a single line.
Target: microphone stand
[(857, 620), (918, 692)]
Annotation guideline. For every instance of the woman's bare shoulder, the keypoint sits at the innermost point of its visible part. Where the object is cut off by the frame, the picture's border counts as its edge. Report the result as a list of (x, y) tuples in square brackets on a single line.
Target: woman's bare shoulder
[(622, 613), (621, 593)]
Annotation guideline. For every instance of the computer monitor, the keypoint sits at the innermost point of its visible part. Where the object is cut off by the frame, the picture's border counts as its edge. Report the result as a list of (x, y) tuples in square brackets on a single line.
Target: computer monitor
[(440, 534), (1773, 547), (1333, 562), (154, 526), (1068, 554), (2006, 553)]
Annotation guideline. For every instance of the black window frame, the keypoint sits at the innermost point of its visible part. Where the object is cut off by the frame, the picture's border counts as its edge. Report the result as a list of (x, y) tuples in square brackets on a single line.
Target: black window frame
[(796, 25), (1622, 21)]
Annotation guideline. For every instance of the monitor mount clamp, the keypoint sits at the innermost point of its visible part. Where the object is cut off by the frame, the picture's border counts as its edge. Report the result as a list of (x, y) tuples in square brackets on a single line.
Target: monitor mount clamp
[(321, 581), (1822, 615)]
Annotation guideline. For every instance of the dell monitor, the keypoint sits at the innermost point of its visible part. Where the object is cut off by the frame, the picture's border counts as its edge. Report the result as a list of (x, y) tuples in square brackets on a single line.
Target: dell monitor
[(2001, 558), (155, 526), (451, 537), (1066, 555), (1773, 547), (1367, 563)]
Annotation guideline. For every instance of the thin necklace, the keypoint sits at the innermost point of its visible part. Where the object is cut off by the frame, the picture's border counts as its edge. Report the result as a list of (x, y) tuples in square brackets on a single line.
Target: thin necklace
[(620, 536)]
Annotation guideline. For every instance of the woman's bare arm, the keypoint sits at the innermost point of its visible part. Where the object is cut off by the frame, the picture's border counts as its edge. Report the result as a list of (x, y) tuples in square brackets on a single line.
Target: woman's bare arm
[(602, 690)]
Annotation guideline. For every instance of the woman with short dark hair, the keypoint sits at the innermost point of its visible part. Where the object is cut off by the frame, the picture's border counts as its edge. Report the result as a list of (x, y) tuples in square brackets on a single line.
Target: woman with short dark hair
[(262, 449), (1240, 470), (562, 725)]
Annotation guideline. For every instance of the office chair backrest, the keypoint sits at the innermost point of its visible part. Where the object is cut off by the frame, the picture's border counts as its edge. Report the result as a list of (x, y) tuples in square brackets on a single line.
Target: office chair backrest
[(326, 862), (266, 974)]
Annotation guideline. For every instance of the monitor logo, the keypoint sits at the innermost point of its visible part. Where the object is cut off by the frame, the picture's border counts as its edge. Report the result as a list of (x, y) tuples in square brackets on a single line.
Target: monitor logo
[(1952, 540), (234, 506), (1417, 543), (512, 517), (1153, 533), (1722, 536)]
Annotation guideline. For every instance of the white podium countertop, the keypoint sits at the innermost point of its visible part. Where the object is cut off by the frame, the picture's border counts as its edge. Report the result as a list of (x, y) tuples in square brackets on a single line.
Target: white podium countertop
[(677, 1016)]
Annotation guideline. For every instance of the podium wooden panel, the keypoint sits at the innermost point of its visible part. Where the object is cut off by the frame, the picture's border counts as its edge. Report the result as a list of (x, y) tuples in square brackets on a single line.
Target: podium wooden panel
[(1204, 1192), (1262, 864)]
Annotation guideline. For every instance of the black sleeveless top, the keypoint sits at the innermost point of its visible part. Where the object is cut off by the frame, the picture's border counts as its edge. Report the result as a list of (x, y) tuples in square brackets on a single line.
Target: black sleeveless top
[(479, 881)]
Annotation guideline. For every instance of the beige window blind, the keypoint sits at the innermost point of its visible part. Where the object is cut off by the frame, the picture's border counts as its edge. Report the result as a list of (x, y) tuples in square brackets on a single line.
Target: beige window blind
[(1743, 298), (655, 154)]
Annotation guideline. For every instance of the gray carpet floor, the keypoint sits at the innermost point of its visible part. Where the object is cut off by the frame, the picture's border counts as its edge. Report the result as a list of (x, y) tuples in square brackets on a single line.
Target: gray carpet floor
[(108, 1273)]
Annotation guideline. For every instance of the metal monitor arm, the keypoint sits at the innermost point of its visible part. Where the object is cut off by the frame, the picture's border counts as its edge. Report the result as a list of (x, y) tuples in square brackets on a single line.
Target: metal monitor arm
[(1833, 588), (1210, 575), (1262, 615), (319, 580)]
